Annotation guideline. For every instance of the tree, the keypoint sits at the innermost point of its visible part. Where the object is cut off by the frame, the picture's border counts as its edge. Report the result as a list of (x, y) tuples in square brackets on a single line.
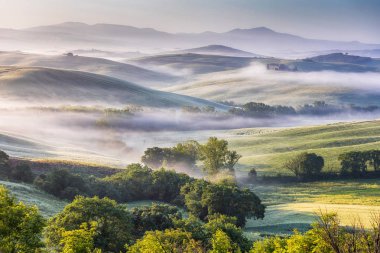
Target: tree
[(203, 199), (221, 243), (22, 172), (252, 174), (166, 185), (155, 157), (62, 184), (154, 217), (354, 163), (183, 154), (114, 224), (171, 240), (79, 240), (305, 165), (374, 158), (216, 156), (134, 183), (227, 225), (20, 225), (4, 164)]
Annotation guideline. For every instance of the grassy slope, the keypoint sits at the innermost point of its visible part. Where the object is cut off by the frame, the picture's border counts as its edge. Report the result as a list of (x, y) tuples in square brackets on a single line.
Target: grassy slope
[(119, 70), (268, 150), (296, 205), (47, 204), (39, 86)]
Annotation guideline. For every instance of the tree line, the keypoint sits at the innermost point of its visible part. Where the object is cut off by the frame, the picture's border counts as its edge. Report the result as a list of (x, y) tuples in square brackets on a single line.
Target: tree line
[(308, 166)]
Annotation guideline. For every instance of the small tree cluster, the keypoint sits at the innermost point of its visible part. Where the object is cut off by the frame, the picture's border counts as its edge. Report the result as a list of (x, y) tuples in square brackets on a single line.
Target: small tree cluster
[(214, 155), (355, 162)]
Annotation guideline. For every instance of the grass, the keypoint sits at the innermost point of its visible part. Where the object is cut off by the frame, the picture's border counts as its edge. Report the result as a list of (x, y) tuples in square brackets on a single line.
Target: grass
[(296, 205), (269, 150), (28, 194)]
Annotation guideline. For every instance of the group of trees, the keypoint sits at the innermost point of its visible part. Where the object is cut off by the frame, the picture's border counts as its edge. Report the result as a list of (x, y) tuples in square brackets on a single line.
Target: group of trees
[(260, 110), (200, 197), (102, 225), (214, 156), (356, 162), (308, 166), (96, 225), (183, 154)]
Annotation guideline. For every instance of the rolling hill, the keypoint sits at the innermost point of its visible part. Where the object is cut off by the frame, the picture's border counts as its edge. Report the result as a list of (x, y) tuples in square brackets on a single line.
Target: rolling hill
[(219, 50), (43, 86), (101, 66), (190, 63)]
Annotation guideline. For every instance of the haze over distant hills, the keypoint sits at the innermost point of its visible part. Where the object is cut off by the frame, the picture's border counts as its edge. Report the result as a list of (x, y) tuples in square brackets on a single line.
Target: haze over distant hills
[(101, 66), (73, 35)]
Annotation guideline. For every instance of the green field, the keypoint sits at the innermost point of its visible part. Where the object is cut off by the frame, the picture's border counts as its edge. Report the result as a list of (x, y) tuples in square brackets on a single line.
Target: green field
[(268, 149), (296, 205)]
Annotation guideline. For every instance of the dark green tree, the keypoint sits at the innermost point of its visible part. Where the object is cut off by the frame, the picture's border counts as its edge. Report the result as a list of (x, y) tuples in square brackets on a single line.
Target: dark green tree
[(62, 183), (114, 227), (154, 217), (203, 199), (305, 165), (354, 163)]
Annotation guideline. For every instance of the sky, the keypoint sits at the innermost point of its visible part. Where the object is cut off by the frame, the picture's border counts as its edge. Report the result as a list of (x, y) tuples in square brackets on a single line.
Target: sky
[(346, 20)]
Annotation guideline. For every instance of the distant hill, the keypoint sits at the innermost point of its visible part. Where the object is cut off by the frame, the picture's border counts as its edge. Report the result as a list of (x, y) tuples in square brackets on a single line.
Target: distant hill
[(73, 35), (190, 63), (43, 86), (101, 66), (111, 55), (219, 50), (341, 58)]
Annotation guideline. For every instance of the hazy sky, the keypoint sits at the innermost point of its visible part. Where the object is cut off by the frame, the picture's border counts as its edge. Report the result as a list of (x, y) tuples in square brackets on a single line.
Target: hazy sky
[(327, 19)]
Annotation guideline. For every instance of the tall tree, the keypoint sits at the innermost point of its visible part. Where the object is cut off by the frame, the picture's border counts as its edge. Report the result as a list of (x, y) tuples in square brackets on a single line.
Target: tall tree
[(216, 156)]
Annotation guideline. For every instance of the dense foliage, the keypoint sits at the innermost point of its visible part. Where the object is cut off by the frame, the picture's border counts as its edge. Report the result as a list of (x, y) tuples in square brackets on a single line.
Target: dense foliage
[(112, 226), (20, 225), (203, 199)]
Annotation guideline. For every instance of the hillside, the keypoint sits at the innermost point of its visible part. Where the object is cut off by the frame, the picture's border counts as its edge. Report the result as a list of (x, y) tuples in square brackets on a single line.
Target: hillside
[(341, 58), (42, 86), (256, 83), (191, 63), (219, 50), (268, 150), (100, 66)]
